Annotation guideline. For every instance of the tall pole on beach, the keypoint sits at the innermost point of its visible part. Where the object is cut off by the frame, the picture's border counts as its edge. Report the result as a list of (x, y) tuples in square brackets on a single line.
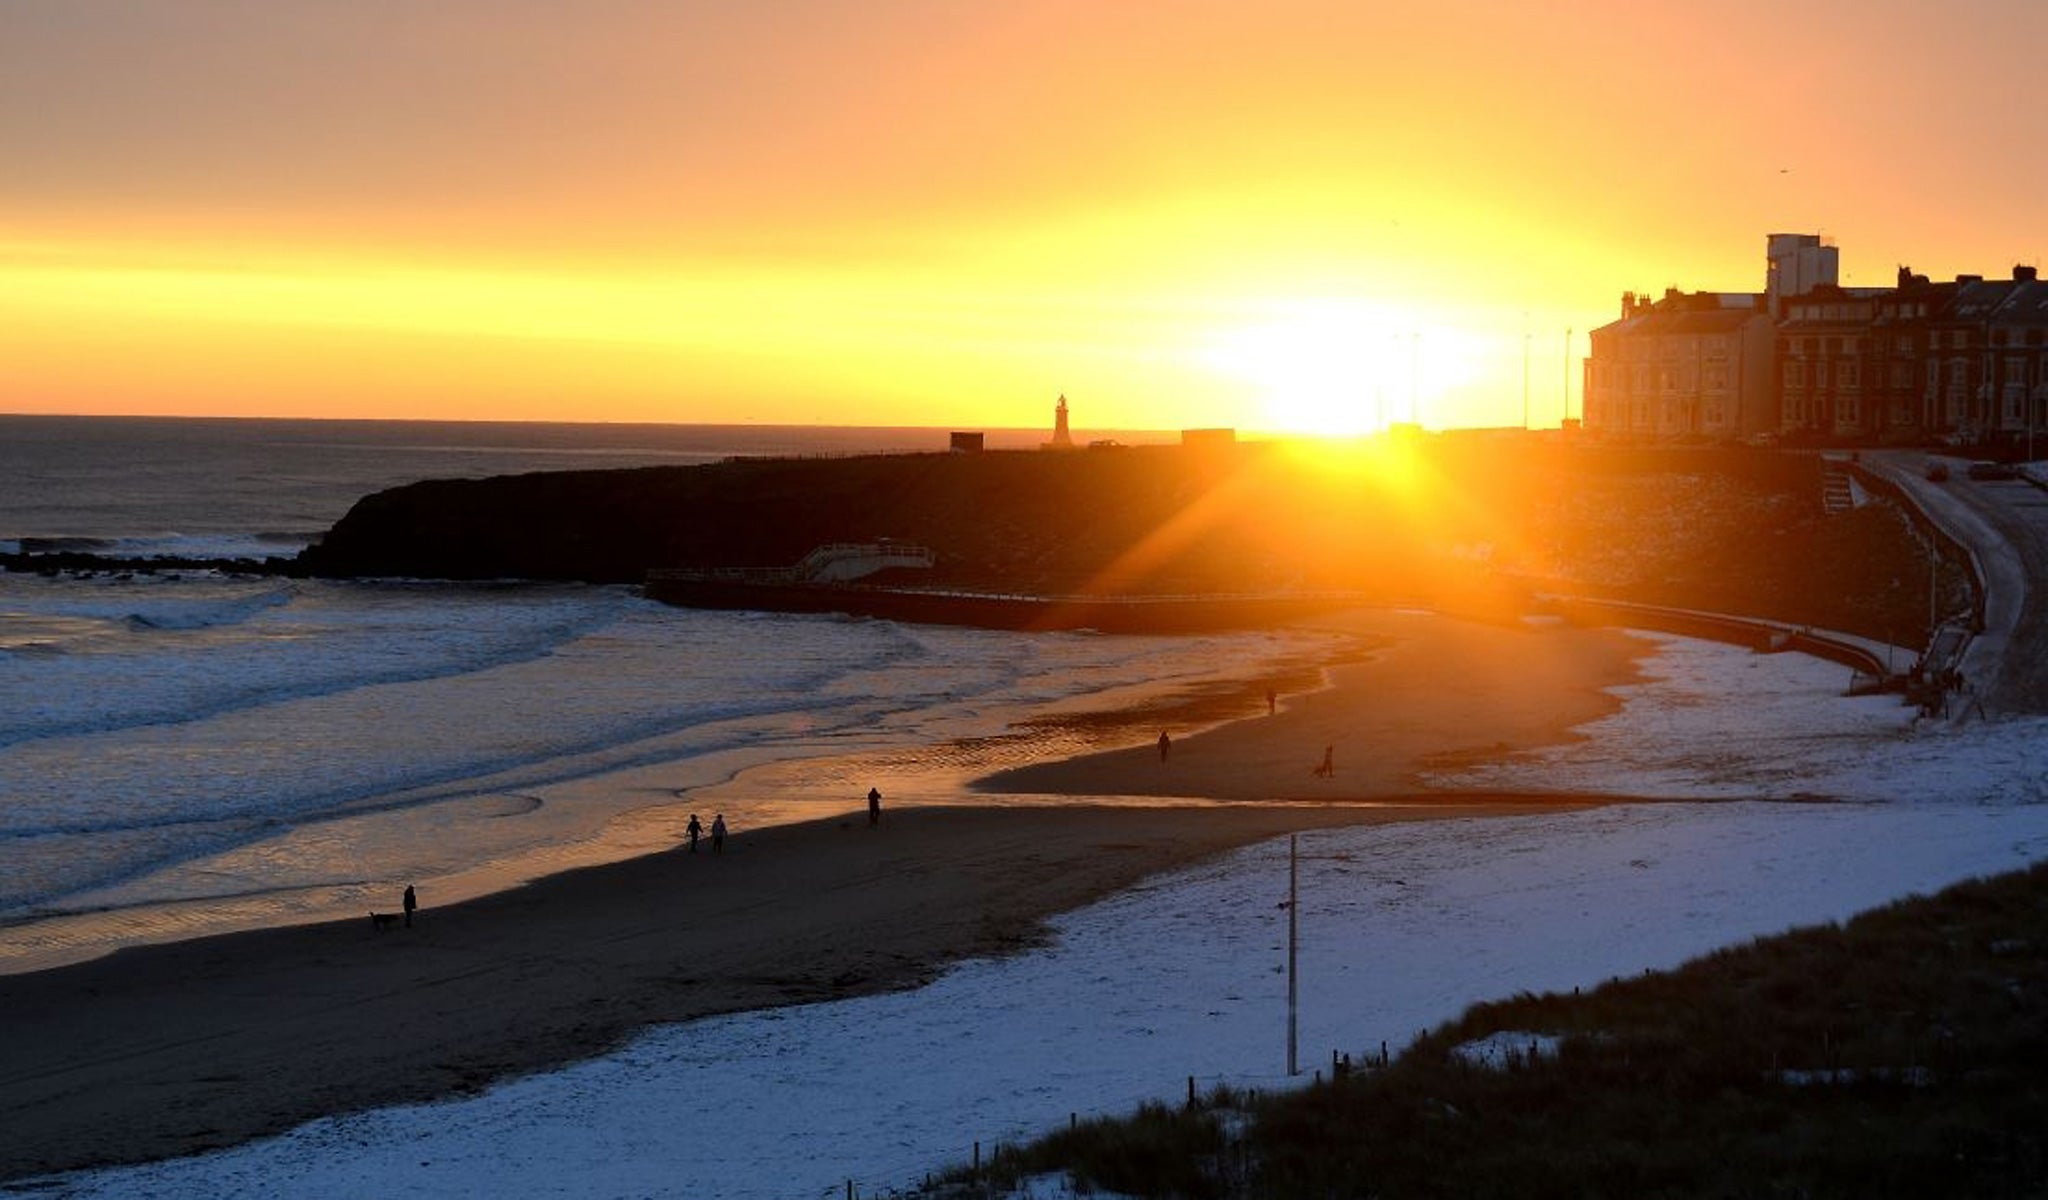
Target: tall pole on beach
[(1293, 929)]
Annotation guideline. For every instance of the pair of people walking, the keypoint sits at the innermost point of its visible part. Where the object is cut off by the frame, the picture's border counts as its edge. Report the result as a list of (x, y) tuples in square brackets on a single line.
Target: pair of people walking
[(695, 830)]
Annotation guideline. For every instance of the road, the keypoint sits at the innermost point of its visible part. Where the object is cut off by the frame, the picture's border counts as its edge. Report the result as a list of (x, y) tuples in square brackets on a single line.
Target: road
[(2004, 523)]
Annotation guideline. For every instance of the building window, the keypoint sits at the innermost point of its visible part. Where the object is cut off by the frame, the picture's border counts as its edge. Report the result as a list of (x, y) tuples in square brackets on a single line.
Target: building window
[(1849, 376), (1820, 374), (1904, 344), (1795, 374)]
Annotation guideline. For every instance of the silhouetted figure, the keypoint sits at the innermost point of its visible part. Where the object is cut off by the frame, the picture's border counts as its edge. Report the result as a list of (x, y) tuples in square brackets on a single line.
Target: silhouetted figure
[(412, 901), (1328, 766), (1165, 744), (874, 806), (718, 834), (694, 830), (1272, 701)]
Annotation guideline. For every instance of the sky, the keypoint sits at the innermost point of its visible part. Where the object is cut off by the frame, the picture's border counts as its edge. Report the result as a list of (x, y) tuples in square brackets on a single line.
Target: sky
[(1316, 215)]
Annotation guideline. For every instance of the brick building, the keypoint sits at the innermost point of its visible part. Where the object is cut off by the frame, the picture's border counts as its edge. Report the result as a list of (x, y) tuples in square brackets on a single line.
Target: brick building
[(1965, 361)]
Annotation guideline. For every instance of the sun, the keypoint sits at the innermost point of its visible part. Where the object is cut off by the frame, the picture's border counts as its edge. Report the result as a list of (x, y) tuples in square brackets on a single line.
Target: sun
[(1330, 367), (1326, 367)]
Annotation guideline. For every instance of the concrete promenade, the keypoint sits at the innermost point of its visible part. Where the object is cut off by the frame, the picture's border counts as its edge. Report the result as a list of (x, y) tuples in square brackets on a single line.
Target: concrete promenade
[(2004, 526)]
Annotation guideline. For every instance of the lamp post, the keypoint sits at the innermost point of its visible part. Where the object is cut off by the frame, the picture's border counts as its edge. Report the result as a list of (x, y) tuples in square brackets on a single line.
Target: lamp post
[(1293, 941)]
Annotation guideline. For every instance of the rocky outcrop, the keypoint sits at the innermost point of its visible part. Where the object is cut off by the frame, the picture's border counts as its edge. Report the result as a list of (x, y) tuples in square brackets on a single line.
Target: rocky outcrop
[(1450, 521), (1145, 519)]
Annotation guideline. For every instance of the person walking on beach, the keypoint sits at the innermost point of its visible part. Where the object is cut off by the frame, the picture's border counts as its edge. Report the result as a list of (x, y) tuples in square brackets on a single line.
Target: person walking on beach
[(1328, 767), (718, 834), (1271, 700), (1165, 744), (874, 807), (694, 830), (412, 901)]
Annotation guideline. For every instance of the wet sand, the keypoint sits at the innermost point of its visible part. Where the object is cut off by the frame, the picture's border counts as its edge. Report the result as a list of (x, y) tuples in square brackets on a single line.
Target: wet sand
[(1438, 694), (165, 1050)]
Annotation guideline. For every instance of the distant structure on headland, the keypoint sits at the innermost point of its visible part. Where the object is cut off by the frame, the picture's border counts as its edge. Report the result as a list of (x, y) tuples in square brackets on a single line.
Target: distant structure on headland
[(1211, 440), (1809, 359), (966, 443), (1061, 438)]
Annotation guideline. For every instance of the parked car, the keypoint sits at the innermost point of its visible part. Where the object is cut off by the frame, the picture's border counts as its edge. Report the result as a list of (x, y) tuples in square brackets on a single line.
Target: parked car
[(1937, 472), (1991, 470)]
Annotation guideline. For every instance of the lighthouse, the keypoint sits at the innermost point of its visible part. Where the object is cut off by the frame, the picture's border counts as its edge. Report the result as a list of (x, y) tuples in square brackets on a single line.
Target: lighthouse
[(1061, 439)]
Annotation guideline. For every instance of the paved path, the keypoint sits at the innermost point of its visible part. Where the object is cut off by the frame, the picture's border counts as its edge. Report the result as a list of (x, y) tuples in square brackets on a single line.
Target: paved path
[(2004, 523)]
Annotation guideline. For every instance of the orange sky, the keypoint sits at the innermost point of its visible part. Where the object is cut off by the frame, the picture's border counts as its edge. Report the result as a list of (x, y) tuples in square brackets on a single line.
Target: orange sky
[(1295, 213)]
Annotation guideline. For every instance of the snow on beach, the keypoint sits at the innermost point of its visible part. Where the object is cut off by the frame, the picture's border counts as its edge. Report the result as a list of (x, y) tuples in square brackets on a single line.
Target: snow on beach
[(1713, 721), (1402, 926)]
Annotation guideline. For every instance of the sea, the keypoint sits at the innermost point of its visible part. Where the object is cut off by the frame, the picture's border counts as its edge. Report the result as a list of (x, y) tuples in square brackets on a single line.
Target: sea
[(186, 751)]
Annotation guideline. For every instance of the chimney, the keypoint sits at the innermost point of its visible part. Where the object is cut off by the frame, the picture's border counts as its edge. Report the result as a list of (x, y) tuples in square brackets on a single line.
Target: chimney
[(2021, 274), (1905, 275)]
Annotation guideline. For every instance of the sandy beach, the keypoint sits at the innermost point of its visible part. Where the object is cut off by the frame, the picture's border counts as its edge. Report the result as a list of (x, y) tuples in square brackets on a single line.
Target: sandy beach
[(1438, 694), (165, 1050)]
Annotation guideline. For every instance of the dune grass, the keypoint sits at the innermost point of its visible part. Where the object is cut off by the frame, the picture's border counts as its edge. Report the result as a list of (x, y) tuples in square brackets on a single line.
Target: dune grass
[(1903, 1053)]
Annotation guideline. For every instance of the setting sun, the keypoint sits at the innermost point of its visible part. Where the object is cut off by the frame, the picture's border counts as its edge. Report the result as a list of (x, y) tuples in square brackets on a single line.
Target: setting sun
[(1339, 368)]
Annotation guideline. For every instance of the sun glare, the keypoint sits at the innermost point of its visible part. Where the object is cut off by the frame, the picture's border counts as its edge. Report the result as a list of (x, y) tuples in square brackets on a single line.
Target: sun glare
[(1336, 368)]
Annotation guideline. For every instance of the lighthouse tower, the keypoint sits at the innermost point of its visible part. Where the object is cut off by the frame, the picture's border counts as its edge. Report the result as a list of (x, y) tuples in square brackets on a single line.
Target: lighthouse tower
[(1061, 439)]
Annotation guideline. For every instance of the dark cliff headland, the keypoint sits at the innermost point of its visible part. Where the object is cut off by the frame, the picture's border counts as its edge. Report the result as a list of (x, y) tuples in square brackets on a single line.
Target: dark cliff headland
[(1459, 521)]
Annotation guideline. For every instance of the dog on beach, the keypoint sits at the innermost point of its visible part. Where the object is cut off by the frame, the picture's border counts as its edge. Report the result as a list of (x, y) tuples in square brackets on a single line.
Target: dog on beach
[(383, 921)]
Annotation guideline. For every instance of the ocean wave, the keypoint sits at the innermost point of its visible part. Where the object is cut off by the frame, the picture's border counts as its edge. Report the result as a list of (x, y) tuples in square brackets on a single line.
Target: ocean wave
[(210, 615), (176, 652), (196, 806), (206, 546), (65, 545), (354, 700), (665, 686), (120, 551)]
